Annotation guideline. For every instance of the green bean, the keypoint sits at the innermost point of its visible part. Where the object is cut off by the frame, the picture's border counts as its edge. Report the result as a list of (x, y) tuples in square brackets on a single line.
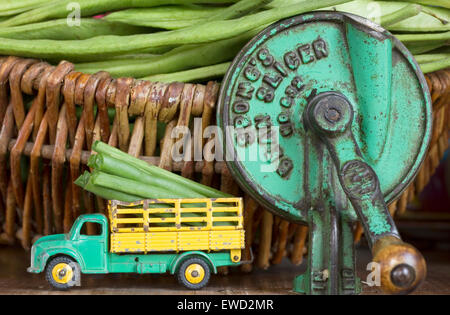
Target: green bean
[(12, 7), (7, 5), (85, 181), (166, 25), (177, 17), (423, 48), (116, 167), (439, 3), (89, 8), (422, 23), (400, 15), (167, 17), (429, 20), (283, 3), (115, 64), (152, 170), (424, 38), (441, 50), (60, 30), (426, 58), (192, 75), (178, 59), (133, 58), (146, 51), (238, 9), (129, 186), (441, 14), (432, 17), (435, 65), (111, 45)]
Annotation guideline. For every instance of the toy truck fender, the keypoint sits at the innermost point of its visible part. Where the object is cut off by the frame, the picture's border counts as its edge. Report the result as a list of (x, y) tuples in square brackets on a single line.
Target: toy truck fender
[(180, 258), (72, 253), (40, 264)]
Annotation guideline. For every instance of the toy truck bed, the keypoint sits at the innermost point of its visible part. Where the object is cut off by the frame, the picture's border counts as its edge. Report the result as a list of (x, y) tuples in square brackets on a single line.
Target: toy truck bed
[(167, 225)]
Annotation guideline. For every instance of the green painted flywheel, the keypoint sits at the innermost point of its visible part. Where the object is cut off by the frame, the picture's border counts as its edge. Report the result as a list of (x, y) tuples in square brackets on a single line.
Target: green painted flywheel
[(270, 151)]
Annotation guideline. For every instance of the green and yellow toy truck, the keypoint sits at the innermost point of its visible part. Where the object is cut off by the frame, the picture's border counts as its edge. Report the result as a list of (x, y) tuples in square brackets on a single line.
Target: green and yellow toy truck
[(189, 238)]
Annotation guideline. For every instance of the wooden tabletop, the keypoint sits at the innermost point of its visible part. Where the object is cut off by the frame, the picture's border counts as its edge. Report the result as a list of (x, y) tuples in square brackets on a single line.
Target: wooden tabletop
[(276, 280)]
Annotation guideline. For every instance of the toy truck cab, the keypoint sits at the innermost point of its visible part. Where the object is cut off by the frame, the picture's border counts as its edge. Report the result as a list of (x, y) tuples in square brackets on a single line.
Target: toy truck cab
[(64, 256), (186, 237)]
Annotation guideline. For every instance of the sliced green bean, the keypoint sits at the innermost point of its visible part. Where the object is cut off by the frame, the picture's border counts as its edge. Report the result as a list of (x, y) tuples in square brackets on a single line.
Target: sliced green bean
[(89, 8), (111, 45), (60, 30), (192, 75), (404, 13)]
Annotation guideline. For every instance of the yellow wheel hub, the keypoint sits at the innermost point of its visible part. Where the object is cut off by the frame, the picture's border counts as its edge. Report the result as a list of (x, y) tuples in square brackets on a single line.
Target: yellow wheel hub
[(62, 273), (194, 273)]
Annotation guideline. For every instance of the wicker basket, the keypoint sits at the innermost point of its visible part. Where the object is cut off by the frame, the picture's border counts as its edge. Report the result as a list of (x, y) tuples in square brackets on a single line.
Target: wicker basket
[(44, 147)]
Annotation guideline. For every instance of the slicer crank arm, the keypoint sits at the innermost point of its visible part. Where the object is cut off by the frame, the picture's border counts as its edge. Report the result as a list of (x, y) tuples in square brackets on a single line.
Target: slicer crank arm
[(330, 116)]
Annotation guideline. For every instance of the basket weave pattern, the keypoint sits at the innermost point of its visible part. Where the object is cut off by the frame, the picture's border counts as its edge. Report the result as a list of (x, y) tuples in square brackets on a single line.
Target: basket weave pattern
[(45, 145)]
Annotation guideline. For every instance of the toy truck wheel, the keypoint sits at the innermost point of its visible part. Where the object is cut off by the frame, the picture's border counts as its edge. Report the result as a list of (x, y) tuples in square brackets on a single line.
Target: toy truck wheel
[(194, 273), (62, 273)]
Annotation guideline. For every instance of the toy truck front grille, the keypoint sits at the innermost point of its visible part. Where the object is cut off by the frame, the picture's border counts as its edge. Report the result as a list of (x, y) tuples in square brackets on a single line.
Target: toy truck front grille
[(166, 225)]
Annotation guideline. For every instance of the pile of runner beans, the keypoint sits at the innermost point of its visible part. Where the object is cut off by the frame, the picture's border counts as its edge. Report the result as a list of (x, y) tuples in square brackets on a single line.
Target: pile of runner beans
[(120, 176), (192, 40)]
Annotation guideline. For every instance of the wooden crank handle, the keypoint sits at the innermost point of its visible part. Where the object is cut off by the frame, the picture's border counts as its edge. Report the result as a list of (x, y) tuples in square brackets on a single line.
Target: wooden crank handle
[(402, 266)]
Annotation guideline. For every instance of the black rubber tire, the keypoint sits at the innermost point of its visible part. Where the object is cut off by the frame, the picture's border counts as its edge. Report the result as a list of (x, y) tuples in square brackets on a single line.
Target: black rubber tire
[(185, 282), (66, 260)]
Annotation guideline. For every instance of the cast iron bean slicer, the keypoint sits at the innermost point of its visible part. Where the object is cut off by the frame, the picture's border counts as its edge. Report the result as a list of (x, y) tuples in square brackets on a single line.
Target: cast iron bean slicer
[(341, 109)]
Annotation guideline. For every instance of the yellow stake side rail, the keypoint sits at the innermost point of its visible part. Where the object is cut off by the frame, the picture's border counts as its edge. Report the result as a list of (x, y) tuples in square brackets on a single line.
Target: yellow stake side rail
[(153, 225)]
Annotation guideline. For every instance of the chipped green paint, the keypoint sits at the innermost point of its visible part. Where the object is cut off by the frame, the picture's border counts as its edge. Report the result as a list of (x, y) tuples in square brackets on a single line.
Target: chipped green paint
[(378, 223), (363, 64), (272, 82)]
